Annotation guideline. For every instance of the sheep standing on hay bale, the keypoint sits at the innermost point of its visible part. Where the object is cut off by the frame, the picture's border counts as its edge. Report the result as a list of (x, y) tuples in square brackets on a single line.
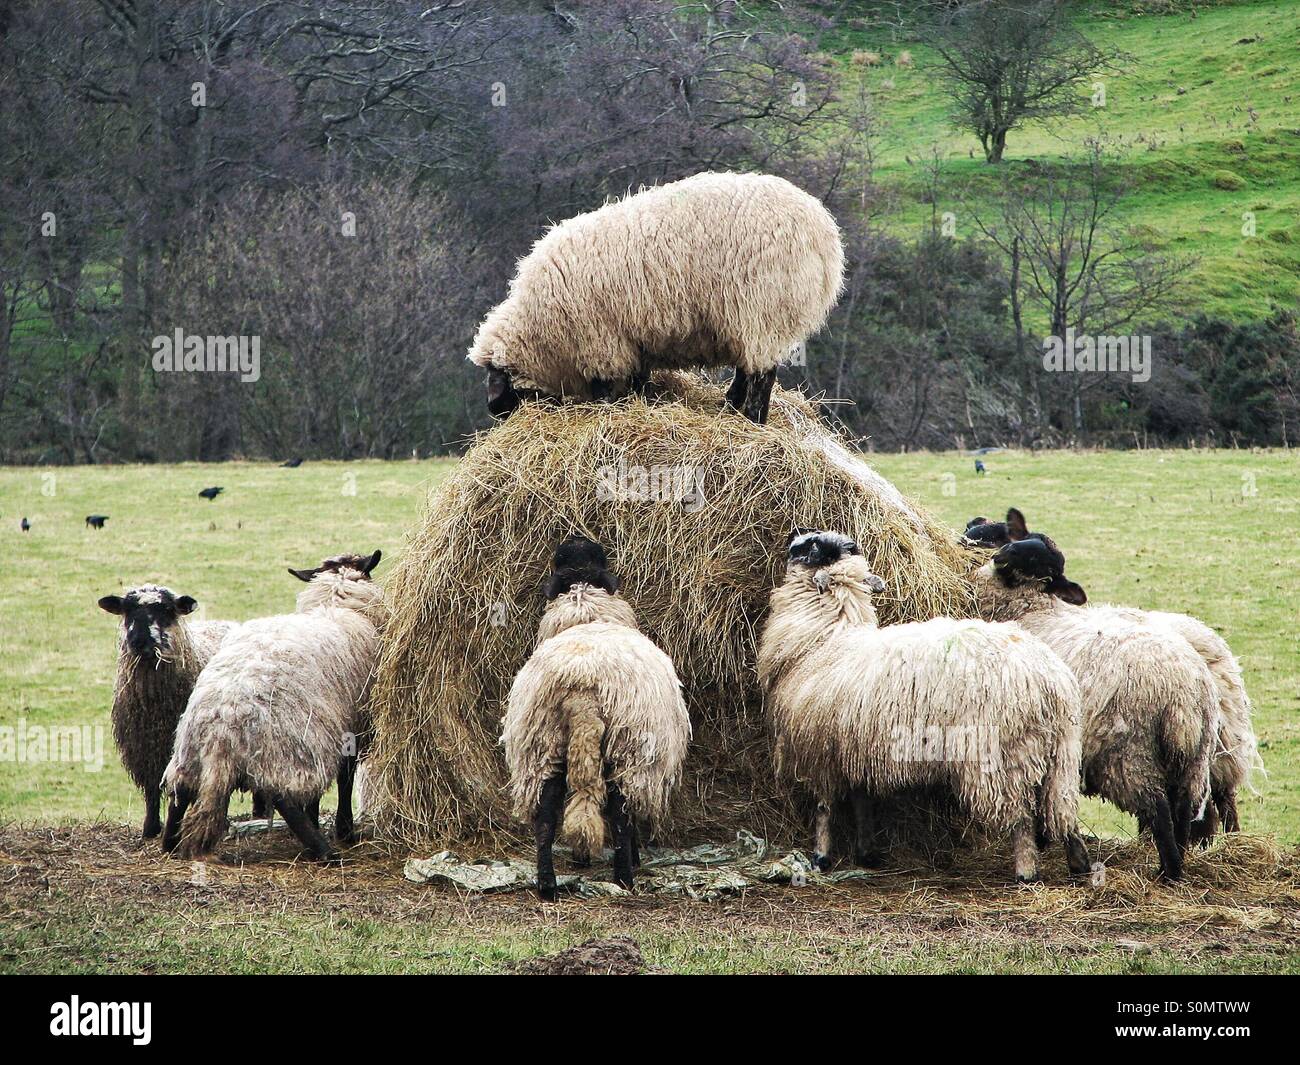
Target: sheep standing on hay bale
[(1150, 709), (280, 708), (160, 655), (597, 711), (984, 709), (1236, 754), (714, 270), (703, 550)]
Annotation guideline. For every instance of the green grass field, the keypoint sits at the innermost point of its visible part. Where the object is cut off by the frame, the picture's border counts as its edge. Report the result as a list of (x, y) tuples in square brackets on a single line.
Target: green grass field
[(1215, 534), (1199, 95)]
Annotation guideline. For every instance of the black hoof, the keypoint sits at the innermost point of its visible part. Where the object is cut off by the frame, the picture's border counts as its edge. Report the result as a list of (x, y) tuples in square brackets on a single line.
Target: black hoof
[(546, 894), (1034, 879)]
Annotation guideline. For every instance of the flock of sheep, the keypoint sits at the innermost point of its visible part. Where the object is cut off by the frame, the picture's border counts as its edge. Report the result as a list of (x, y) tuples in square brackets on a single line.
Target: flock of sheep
[(1145, 709)]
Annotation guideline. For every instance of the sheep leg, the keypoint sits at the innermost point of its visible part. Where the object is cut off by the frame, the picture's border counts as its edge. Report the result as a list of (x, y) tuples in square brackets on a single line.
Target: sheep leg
[(1204, 830), (344, 829), (641, 380), (759, 398), (1159, 816), (175, 813), (550, 808), (313, 811), (621, 828), (261, 805), (1076, 854), (602, 391), (1227, 805), (636, 846), (1024, 850), (738, 390), (821, 857), (866, 831), (152, 801), (306, 829)]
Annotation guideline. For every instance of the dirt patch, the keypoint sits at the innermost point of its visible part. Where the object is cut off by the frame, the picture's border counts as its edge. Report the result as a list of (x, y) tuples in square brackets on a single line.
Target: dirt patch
[(616, 956)]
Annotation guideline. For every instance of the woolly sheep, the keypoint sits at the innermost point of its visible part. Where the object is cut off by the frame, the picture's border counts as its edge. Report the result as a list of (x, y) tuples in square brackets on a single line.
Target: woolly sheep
[(160, 654), (597, 711), (280, 708), (714, 270), (1150, 710), (1237, 751), (869, 711)]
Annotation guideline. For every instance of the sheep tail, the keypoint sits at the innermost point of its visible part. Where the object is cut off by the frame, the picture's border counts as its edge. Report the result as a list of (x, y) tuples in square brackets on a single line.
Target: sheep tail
[(584, 813), (205, 821)]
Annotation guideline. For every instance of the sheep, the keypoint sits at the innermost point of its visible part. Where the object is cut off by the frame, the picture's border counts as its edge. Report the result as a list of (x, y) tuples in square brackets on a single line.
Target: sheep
[(280, 708), (597, 712), (869, 711), (1150, 709), (716, 269), (160, 655), (1237, 750)]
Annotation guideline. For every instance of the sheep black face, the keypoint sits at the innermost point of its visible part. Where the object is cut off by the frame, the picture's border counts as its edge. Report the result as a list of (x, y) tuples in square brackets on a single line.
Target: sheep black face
[(815, 548), (579, 560), (148, 615), (1037, 560), (502, 398), (357, 567), (984, 533)]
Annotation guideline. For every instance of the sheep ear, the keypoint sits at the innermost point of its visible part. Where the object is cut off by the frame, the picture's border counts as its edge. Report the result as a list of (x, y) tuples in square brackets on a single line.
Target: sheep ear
[(186, 604), (797, 532), (874, 583), (552, 587), (853, 547), (976, 521), (111, 603), (304, 574), (1067, 590), (610, 583), (372, 562), (1016, 528)]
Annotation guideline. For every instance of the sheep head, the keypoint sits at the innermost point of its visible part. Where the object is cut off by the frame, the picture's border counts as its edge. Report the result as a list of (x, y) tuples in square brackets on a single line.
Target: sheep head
[(149, 615), (1036, 560)]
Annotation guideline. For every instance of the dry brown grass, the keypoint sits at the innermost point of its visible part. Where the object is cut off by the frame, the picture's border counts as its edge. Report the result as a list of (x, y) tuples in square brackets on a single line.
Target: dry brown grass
[(466, 598)]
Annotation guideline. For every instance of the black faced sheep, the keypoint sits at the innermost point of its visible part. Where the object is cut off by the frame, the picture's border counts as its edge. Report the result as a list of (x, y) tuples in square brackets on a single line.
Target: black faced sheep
[(596, 712), (983, 709), (1150, 709), (160, 655), (279, 709), (714, 270)]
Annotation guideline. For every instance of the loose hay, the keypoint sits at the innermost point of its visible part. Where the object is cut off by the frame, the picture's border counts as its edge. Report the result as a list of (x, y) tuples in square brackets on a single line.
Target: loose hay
[(466, 598)]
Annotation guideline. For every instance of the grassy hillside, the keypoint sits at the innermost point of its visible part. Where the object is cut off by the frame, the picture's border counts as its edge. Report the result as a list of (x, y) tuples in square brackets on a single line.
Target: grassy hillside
[(1168, 529), (1202, 102)]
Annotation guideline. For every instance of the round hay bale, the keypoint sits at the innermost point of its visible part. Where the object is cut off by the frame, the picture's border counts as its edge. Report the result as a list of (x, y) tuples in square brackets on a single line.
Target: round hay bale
[(694, 505)]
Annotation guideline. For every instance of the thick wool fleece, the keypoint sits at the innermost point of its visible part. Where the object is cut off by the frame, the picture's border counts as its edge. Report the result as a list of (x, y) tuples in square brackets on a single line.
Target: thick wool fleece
[(149, 696), (716, 269), (1236, 753), (1150, 708), (273, 707), (598, 696), (848, 701)]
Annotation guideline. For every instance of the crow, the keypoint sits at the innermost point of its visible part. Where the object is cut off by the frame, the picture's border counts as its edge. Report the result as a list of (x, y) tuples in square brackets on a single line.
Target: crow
[(292, 464), (96, 521), (24, 525), (979, 467), (211, 493)]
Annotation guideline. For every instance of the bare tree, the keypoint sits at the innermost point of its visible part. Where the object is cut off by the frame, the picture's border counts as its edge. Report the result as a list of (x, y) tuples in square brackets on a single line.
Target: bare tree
[(1074, 266), (1005, 63)]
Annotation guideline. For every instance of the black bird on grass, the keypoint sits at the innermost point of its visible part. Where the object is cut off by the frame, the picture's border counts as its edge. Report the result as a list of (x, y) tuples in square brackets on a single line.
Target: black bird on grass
[(292, 464), (24, 525), (211, 493), (979, 467), (96, 521)]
